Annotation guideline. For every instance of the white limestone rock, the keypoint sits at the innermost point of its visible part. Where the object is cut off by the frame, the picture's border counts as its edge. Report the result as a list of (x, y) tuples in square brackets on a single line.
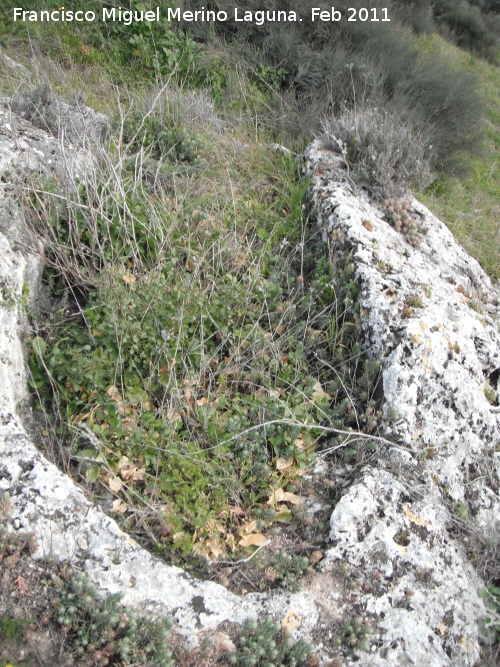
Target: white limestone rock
[(393, 525)]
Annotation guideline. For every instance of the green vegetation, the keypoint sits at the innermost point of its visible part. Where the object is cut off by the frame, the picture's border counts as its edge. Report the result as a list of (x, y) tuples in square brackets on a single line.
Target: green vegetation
[(197, 406), (261, 645), (469, 201), (382, 152), (492, 622), (102, 632), (203, 348), (12, 629), (355, 633), (287, 570)]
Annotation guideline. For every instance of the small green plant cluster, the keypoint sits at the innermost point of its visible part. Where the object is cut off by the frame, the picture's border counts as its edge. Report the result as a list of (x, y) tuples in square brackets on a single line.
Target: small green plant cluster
[(160, 136), (490, 393), (12, 629), (414, 301), (398, 215), (271, 78), (261, 644), (100, 633), (9, 298), (491, 594), (287, 570), (354, 633), (160, 49)]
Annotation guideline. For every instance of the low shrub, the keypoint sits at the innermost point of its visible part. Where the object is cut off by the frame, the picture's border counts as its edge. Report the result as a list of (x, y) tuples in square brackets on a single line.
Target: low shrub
[(260, 644), (38, 105), (286, 570), (327, 67), (470, 27), (381, 151), (101, 632)]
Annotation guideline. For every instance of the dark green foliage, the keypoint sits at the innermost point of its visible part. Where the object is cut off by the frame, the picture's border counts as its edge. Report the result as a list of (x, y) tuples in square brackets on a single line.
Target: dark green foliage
[(202, 404), (159, 139), (103, 632), (304, 70), (287, 570), (491, 594), (12, 629), (151, 50), (469, 26), (261, 645), (417, 14), (354, 633)]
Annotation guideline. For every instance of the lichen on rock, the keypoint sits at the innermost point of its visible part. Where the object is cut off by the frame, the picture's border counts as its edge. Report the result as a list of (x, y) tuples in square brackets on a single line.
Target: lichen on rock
[(395, 524)]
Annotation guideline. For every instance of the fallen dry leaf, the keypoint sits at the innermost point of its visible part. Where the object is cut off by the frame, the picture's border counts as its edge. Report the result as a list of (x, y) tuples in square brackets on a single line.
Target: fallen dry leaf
[(256, 540), (113, 393), (173, 416), (315, 557), (248, 527), (119, 506), (236, 511), (138, 474), (284, 464), (280, 496), (129, 279), (212, 546), (291, 622), (414, 519), (128, 471), (114, 484), (21, 586), (224, 643), (368, 225), (318, 393)]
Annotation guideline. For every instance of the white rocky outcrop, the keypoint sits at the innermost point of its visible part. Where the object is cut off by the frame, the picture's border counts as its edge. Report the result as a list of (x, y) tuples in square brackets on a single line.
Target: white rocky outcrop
[(430, 315)]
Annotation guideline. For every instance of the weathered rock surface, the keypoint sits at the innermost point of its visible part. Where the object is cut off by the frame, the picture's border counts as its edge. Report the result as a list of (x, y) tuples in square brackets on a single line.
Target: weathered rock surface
[(29, 157), (395, 523)]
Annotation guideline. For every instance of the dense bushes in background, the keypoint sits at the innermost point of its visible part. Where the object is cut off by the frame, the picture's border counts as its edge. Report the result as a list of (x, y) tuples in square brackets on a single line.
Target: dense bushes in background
[(329, 67), (469, 25), (474, 25), (303, 71)]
